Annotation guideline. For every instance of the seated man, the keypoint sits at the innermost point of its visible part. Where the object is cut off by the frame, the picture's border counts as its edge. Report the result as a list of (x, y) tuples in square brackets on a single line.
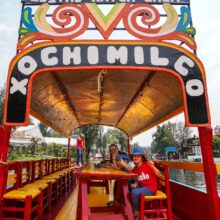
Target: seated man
[(123, 162)]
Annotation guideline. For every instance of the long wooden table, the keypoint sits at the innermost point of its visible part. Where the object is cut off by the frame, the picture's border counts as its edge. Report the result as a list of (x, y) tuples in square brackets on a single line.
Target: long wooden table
[(88, 173)]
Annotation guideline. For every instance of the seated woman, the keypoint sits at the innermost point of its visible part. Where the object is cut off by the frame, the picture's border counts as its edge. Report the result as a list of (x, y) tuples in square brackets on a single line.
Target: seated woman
[(113, 152), (147, 179)]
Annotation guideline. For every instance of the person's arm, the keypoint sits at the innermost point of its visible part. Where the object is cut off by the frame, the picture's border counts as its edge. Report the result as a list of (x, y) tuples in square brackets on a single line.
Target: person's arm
[(126, 166), (110, 165), (156, 171)]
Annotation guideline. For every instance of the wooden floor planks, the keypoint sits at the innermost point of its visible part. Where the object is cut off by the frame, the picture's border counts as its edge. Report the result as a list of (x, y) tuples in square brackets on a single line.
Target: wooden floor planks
[(97, 197), (68, 210)]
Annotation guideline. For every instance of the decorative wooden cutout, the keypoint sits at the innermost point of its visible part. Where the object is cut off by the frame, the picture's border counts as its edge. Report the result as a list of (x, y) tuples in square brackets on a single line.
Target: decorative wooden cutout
[(66, 28), (61, 17), (170, 30), (105, 24)]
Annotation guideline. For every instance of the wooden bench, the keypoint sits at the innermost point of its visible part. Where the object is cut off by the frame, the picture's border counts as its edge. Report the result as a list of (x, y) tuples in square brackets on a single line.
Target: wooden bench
[(19, 203), (31, 186), (36, 174)]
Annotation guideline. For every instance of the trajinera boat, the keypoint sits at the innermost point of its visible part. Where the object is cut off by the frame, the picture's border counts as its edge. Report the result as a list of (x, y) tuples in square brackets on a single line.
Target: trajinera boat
[(127, 64)]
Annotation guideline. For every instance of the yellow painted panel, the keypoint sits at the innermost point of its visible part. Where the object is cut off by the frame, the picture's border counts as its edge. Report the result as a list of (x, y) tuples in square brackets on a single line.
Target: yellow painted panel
[(218, 168), (11, 181), (12, 175), (185, 165), (90, 169)]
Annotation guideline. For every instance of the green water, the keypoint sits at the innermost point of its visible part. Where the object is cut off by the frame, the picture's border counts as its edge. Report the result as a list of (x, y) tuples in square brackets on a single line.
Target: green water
[(190, 178)]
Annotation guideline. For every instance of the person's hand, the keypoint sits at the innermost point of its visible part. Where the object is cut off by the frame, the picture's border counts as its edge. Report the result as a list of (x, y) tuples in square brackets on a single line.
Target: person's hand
[(162, 177), (110, 165), (150, 163), (134, 185), (123, 163)]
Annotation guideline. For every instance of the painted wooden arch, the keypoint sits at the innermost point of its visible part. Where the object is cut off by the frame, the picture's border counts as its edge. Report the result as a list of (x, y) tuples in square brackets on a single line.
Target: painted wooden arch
[(108, 55)]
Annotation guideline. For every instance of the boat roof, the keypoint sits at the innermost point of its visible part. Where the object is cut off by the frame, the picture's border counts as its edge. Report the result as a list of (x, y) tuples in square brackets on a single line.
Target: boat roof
[(131, 100)]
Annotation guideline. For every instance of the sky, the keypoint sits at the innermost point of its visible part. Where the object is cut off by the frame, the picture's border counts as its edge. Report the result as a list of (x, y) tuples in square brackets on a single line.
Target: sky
[(206, 20)]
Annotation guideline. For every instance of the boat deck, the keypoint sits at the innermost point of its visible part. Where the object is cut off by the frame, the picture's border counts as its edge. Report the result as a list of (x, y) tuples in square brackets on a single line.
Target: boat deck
[(66, 207)]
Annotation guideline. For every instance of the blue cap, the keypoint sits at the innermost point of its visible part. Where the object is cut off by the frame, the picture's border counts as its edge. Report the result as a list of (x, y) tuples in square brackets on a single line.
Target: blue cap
[(138, 151), (122, 156)]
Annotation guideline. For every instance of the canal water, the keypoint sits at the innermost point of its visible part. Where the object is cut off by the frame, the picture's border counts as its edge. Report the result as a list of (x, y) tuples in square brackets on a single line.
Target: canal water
[(190, 178)]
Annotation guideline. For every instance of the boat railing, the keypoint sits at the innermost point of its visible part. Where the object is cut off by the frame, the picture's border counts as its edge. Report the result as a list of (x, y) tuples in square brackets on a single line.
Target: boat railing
[(188, 165)]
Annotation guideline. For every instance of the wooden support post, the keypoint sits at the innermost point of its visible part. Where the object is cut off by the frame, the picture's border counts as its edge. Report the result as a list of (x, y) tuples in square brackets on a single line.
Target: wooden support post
[(68, 152), (129, 147), (4, 144), (27, 208), (84, 200), (205, 135)]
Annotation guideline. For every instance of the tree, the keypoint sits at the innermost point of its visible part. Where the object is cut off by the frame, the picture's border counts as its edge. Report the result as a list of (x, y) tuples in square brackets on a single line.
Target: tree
[(52, 133), (100, 141), (170, 134), (54, 149), (48, 132), (181, 134), (116, 136), (91, 133), (163, 137), (216, 145), (43, 129), (94, 135)]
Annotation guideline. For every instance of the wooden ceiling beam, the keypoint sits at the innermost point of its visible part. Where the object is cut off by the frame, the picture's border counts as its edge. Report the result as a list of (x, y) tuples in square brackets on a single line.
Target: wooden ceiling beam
[(137, 94), (101, 79), (65, 93)]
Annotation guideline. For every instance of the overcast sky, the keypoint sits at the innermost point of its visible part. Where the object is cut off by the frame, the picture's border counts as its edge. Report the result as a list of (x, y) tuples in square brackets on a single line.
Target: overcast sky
[(206, 20)]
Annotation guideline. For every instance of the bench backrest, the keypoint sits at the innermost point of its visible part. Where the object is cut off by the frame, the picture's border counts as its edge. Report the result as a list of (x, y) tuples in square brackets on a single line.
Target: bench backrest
[(12, 177), (25, 172), (163, 184), (44, 166), (36, 170)]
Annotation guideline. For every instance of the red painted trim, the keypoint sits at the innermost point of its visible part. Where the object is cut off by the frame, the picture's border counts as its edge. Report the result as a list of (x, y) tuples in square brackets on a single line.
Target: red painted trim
[(4, 144), (167, 184), (87, 175), (188, 203), (129, 147), (68, 151), (205, 136)]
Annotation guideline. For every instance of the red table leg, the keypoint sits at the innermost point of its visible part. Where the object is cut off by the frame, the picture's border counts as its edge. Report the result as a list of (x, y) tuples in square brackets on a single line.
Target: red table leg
[(83, 211), (79, 202), (122, 191)]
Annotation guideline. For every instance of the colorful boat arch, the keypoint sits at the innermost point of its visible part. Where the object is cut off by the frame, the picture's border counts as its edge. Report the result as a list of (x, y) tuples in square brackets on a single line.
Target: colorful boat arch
[(107, 55), (132, 85)]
